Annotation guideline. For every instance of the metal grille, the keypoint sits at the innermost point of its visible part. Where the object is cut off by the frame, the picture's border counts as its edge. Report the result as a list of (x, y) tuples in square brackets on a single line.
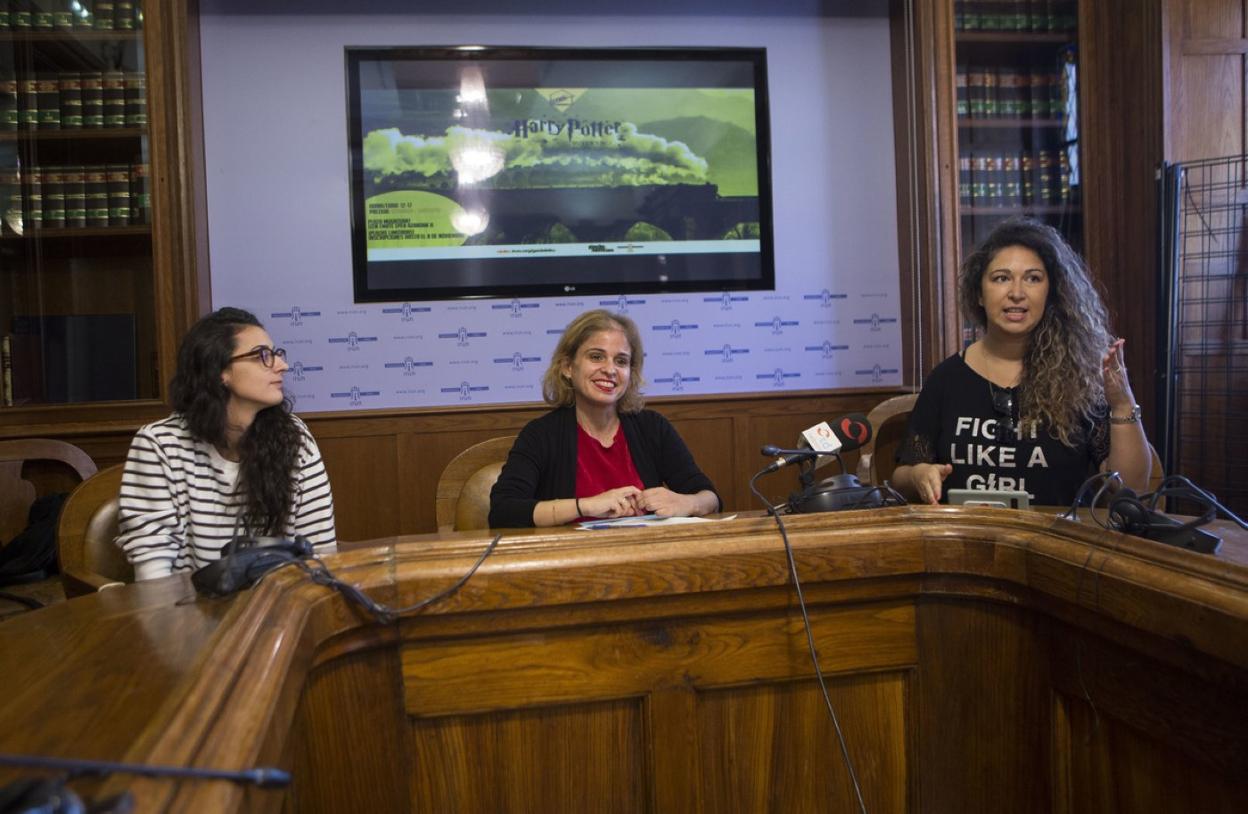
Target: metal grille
[(1205, 354)]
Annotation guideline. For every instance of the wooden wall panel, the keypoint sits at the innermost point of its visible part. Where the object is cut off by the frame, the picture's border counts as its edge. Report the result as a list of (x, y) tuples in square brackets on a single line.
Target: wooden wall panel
[(384, 467), (1212, 19), (1205, 43), (1121, 85), (983, 708), (573, 759), (774, 748), (734, 721), (1115, 767), (1209, 120), (363, 473), (468, 676), (346, 752), (716, 444)]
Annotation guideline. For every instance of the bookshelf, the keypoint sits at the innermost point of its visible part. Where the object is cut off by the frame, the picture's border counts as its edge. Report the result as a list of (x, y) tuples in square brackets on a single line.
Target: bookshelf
[(1016, 110), (78, 292)]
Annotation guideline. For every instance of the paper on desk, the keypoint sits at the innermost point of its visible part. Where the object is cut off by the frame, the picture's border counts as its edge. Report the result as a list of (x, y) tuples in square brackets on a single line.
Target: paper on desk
[(646, 520)]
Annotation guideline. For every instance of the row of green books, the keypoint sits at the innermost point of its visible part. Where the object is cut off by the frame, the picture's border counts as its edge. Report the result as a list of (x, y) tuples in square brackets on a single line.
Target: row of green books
[(53, 197), (988, 93), (68, 15), (70, 100), (1016, 15), (1014, 179)]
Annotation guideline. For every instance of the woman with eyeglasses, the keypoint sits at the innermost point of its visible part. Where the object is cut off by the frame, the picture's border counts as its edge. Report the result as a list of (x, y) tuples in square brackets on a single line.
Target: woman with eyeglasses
[(1041, 400), (231, 460)]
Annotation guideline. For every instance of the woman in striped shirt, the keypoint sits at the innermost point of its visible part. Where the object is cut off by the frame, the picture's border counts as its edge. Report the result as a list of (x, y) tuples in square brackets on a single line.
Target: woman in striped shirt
[(231, 460)]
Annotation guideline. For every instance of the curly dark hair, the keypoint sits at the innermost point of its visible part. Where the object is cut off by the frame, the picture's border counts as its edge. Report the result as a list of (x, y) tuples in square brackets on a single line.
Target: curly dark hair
[(268, 450), (558, 392), (1062, 385)]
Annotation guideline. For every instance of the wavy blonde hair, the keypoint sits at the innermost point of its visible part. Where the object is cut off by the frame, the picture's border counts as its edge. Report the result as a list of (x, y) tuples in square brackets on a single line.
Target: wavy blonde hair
[(558, 391), (1062, 385)]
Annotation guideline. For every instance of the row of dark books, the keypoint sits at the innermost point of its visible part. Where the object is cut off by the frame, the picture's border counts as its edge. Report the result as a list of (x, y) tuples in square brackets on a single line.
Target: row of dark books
[(1016, 15), (68, 15), (1004, 93), (71, 100), (1014, 179), (96, 195)]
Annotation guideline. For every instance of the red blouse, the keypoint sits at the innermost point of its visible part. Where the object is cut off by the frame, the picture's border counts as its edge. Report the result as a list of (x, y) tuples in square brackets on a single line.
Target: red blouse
[(600, 468)]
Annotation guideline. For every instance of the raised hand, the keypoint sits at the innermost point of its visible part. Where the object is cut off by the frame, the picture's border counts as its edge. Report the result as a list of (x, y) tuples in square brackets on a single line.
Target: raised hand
[(1117, 386)]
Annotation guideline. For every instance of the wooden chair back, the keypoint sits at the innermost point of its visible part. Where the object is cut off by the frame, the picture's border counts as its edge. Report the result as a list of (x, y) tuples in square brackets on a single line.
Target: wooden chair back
[(90, 560), (18, 484), (463, 496), (888, 425)]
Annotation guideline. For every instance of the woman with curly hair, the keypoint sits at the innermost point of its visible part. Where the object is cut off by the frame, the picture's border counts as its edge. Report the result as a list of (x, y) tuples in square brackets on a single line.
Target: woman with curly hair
[(1041, 400), (597, 453), (231, 460)]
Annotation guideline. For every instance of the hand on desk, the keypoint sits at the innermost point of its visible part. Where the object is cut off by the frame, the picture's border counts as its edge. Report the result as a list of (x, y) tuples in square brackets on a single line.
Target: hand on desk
[(929, 480), (622, 502)]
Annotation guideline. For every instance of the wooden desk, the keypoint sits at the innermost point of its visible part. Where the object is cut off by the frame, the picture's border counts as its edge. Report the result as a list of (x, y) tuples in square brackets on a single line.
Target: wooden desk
[(979, 660)]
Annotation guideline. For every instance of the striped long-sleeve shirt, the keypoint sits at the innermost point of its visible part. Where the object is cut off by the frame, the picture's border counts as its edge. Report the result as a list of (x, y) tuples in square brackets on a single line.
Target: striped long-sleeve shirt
[(179, 505)]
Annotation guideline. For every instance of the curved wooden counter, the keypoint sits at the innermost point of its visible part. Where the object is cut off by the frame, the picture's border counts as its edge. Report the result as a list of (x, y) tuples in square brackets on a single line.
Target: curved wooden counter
[(978, 659)]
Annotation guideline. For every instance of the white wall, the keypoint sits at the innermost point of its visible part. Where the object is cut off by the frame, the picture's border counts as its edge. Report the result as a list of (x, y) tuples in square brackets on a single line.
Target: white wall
[(279, 227)]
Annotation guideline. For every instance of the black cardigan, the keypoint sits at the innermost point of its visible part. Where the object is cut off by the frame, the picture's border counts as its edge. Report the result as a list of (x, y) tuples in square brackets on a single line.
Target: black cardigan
[(542, 463)]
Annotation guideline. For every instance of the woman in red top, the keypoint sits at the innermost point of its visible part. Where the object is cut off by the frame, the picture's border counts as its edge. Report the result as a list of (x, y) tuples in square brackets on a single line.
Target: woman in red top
[(598, 453)]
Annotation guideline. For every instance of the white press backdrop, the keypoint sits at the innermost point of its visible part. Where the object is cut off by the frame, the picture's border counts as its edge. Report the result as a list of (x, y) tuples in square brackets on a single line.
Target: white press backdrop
[(279, 227)]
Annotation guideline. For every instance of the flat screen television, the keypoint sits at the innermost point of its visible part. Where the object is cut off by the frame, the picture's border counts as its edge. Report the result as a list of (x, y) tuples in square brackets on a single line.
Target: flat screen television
[(517, 172)]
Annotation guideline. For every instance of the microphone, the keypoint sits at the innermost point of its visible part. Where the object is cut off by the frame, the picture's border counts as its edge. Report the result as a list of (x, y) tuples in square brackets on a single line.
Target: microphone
[(823, 441), (264, 777)]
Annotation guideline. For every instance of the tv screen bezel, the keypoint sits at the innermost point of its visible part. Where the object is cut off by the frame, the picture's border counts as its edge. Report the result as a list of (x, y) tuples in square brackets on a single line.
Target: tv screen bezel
[(571, 281)]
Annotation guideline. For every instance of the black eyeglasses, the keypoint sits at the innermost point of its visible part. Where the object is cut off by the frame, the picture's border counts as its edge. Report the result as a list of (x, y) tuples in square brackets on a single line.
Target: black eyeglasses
[(265, 354), (1003, 406)]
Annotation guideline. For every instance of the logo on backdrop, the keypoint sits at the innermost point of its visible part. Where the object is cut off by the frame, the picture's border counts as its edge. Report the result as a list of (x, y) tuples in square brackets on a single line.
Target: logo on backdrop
[(777, 325), (726, 300), (675, 327), (465, 390), (408, 365), (406, 310), (462, 336), (621, 303), (516, 360), (875, 321), (827, 348), (516, 307), (778, 376), (351, 340), (296, 315), (355, 395), (877, 373), (825, 298), (725, 353), (299, 371), (677, 381)]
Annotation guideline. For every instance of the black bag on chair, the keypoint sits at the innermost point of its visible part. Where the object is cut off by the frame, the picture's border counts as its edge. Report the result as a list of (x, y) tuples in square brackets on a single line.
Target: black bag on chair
[(31, 556)]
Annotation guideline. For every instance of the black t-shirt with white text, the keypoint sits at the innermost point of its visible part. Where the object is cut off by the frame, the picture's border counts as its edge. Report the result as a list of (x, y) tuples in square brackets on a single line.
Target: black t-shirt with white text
[(954, 422)]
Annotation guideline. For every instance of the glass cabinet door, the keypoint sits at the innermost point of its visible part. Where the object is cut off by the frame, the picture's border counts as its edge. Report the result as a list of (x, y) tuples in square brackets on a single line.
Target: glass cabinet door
[(77, 299), (1017, 98)]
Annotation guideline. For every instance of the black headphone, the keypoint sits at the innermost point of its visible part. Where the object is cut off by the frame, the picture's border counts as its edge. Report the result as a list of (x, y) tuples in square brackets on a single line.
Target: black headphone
[(1127, 512), (244, 560), (1137, 514)]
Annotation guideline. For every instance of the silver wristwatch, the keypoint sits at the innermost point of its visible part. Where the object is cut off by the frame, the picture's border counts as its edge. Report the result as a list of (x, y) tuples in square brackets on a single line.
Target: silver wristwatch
[(1132, 418)]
